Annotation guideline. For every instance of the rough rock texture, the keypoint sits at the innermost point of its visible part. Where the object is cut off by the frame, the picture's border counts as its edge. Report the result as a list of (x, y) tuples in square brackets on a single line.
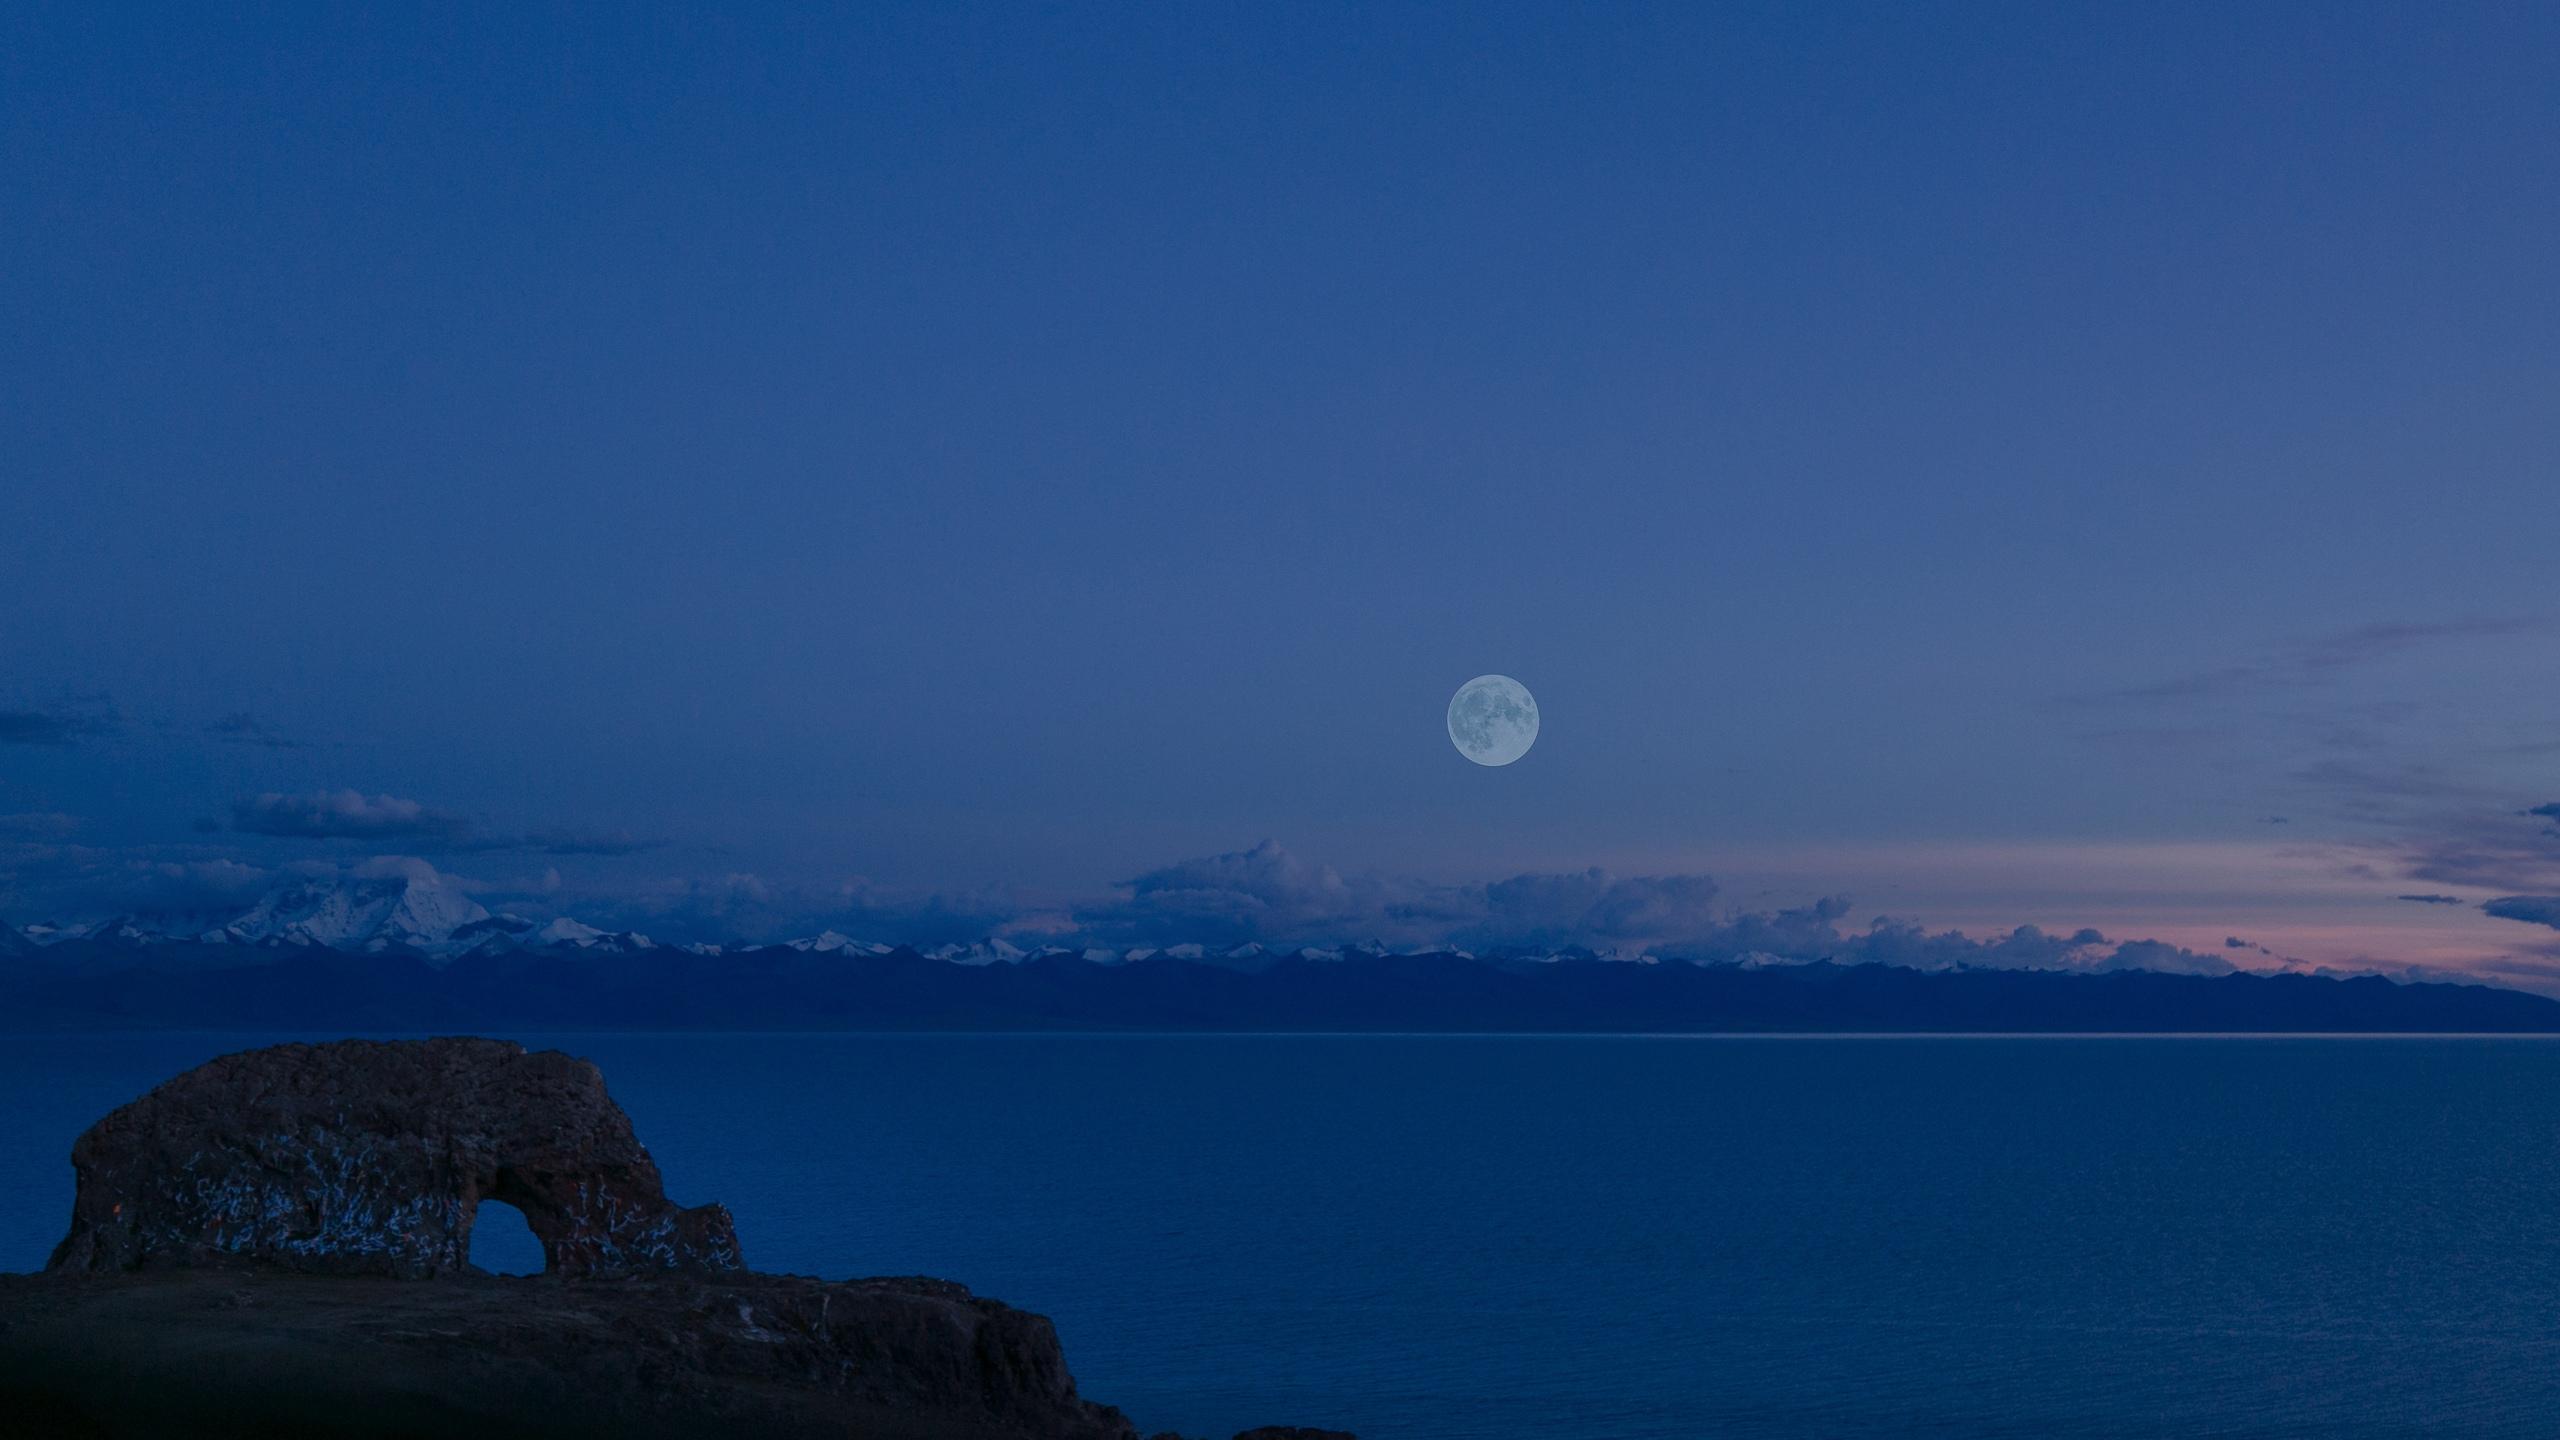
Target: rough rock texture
[(251, 1351), (273, 1245), (372, 1157)]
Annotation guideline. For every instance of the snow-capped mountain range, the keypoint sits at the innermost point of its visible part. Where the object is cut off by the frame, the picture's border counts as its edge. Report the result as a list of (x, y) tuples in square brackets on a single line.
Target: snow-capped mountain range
[(358, 914), (427, 914)]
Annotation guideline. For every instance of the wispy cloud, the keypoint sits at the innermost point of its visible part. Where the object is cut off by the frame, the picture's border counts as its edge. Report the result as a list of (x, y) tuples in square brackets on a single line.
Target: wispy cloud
[(2531, 909), (2320, 658), (344, 814), (88, 718), (2486, 850), (2304, 730), (2396, 791), (354, 815), (242, 728), (573, 842)]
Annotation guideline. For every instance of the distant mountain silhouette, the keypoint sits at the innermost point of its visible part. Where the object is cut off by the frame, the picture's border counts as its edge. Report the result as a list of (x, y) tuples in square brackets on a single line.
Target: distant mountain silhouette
[(85, 984)]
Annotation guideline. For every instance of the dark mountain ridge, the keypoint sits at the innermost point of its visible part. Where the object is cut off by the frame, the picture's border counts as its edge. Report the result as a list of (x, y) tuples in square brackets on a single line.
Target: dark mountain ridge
[(781, 988)]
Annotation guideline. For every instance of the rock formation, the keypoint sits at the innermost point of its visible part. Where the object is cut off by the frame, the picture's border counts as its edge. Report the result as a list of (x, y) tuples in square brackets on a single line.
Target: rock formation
[(273, 1244), (217, 1351), (372, 1157)]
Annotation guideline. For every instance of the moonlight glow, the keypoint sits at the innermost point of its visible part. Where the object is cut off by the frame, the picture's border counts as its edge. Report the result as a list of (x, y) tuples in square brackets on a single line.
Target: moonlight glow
[(1493, 720)]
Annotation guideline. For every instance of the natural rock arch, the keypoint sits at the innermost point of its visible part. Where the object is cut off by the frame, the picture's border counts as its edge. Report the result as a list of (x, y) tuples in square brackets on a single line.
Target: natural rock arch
[(372, 1157), (500, 1242)]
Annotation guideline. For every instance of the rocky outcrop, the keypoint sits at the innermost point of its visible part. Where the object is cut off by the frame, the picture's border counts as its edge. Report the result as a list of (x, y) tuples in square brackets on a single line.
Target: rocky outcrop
[(243, 1352), (372, 1157), (273, 1245)]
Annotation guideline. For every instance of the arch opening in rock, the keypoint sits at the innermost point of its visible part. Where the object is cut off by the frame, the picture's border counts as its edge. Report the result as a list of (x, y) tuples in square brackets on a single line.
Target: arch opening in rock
[(375, 1157), (502, 1241)]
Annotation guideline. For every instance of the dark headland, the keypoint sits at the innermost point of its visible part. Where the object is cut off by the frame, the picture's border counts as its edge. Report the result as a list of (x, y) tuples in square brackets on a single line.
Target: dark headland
[(274, 1245)]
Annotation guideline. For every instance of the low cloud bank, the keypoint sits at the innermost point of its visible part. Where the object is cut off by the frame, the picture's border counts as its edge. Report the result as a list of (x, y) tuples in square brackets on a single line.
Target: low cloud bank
[(1269, 896), (61, 882), (745, 907), (1263, 895)]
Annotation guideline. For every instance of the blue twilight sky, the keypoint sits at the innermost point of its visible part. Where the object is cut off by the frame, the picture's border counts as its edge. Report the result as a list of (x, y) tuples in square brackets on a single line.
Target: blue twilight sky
[(1989, 461)]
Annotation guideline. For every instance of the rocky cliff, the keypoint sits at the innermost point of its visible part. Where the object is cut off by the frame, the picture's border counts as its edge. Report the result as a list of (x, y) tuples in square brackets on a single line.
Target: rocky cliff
[(274, 1244), (372, 1157)]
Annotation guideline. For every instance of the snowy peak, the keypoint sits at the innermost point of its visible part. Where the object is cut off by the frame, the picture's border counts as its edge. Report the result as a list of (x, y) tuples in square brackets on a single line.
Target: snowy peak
[(360, 914), (416, 910), (502, 934), (829, 942), (983, 952), (572, 935), (127, 930)]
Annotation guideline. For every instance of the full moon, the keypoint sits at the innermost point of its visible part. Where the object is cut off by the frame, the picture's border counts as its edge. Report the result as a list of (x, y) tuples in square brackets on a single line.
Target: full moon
[(1493, 720)]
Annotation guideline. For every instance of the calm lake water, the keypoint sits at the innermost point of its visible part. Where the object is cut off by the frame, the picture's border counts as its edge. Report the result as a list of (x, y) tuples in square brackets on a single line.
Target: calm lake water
[(1624, 1238)]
